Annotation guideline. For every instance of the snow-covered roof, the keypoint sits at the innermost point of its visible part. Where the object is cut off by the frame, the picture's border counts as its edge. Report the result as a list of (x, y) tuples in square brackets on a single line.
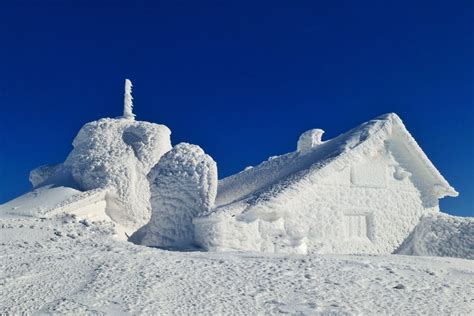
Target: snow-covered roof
[(279, 173)]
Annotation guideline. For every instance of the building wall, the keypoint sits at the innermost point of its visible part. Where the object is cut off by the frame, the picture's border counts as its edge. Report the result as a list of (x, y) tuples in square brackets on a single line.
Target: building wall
[(370, 206), (367, 207)]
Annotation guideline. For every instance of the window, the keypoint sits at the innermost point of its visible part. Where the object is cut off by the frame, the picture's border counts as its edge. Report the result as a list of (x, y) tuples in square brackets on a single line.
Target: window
[(356, 226), (369, 174)]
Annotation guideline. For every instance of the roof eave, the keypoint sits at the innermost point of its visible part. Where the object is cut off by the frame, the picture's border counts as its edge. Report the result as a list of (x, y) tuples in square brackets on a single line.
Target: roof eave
[(443, 187)]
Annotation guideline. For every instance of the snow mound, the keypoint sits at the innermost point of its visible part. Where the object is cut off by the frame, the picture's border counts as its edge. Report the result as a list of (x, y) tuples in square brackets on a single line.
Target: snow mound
[(441, 235), (39, 202), (117, 154), (49, 201), (183, 186)]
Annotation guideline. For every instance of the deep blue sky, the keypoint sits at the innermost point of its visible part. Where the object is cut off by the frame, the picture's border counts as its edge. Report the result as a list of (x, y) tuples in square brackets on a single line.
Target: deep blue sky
[(240, 79)]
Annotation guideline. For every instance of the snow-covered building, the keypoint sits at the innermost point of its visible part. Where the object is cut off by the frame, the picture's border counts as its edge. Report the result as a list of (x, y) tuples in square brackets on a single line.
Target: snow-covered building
[(361, 192)]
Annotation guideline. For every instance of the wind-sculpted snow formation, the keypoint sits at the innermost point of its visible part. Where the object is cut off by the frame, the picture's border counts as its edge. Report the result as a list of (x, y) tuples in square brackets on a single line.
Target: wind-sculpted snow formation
[(118, 154), (114, 155), (183, 187), (441, 235)]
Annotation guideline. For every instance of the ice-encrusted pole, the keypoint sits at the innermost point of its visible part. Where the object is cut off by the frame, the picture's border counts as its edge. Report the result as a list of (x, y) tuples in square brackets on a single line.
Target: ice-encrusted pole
[(128, 101)]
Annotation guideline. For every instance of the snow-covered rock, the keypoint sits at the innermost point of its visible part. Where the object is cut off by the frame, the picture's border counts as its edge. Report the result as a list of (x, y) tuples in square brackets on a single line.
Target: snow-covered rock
[(361, 192), (117, 154), (441, 235), (183, 186)]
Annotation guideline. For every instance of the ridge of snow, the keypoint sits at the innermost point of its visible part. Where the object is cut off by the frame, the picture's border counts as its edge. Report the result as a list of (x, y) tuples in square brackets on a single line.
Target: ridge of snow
[(50, 201), (40, 202)]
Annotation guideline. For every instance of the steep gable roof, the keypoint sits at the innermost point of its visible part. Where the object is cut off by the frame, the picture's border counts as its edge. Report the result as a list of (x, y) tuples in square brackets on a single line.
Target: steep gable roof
[(279, 173)]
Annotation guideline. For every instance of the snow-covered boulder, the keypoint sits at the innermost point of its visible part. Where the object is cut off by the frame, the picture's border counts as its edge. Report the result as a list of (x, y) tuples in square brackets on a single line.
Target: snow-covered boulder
[(441, 235), (183, 186), (117, 154)]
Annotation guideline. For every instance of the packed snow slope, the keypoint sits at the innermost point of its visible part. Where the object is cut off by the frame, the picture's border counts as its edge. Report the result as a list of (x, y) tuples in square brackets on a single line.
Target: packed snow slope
[(69, 266), (48, 201)]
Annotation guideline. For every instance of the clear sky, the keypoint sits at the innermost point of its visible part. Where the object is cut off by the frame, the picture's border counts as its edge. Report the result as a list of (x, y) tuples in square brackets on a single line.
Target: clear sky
[(240, 79)]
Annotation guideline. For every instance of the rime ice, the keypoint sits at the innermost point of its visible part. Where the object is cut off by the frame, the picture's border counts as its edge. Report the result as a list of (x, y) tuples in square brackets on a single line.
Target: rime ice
[(117, 155), (128, 101), (371, 190), (361, 192), (183, 186)]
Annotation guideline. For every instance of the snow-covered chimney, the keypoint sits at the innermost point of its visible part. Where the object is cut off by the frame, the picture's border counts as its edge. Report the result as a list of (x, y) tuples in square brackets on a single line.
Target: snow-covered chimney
[(309, 140), (128, 101)]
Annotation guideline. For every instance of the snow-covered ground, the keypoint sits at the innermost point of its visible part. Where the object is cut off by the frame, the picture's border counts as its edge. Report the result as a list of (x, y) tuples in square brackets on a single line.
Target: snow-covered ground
[(66, 265)]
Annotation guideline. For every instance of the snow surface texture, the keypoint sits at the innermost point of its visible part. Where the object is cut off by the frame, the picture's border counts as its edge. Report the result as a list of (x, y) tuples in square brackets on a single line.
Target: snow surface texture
[(62, 265), (117, 154), (50, 200), (441, 235), (183, 186), (361, 192)]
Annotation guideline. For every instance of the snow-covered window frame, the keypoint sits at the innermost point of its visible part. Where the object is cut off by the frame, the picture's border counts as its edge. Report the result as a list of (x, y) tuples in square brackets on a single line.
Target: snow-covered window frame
[(370, 174), (358, 225)]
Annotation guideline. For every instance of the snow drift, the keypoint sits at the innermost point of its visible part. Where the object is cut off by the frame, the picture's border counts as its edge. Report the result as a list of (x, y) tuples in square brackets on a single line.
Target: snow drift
[(441, 235), (183, 186)]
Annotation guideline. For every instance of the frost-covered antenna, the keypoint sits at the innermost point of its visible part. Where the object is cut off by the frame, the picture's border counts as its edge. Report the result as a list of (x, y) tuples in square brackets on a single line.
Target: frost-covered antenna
[(128, 101)]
